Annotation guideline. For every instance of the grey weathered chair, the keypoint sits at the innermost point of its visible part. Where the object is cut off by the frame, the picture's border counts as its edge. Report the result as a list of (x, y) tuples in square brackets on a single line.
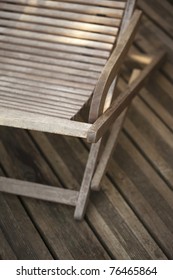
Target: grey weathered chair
[(56, 57)]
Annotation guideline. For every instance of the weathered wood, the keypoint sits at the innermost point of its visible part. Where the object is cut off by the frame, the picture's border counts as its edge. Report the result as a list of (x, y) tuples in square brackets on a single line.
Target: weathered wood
[(136, 179), (53, 221), (111, 143), (117, 220), (108, 214), (38, 191), (19, 238), (51, 42), (73, 7), (40, 117), (130, 5), (155, 10), (112, 67), (86, 183), (6, 253), (46, 123), (107, 118)]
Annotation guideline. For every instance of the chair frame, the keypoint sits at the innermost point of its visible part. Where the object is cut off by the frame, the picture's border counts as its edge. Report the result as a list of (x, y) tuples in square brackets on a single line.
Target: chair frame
[(104, 114)]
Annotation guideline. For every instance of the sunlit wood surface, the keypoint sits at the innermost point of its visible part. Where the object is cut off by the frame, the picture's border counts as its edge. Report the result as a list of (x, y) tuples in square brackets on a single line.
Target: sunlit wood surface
[(132, 217)]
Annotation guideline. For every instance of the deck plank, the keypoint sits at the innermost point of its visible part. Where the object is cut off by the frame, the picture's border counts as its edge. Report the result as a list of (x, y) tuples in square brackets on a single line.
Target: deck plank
[(106, 206), (20, 237), (131, 218), (53, 221)]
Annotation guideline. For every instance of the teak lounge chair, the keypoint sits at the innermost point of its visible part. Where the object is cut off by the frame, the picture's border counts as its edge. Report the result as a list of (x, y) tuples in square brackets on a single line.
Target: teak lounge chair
[(57, 60)]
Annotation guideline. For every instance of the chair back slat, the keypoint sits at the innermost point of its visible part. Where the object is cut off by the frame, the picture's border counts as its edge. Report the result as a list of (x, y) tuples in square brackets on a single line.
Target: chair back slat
[(61, 46)]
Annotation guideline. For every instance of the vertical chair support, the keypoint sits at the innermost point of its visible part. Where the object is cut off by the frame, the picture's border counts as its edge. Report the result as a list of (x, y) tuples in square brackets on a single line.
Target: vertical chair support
[(116, 113), (95, 148), (111, 143), (86, 182)]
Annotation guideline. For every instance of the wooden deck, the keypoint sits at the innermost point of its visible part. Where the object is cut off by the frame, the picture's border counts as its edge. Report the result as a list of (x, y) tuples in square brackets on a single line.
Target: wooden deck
[(132, 217)]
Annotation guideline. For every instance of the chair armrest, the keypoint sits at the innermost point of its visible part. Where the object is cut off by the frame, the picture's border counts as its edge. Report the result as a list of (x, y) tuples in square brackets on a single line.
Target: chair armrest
[(103, 123), (112, 67)]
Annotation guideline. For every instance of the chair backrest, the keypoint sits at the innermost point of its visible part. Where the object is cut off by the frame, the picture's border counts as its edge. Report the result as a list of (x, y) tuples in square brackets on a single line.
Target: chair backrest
[(64, 44), (88, 27)]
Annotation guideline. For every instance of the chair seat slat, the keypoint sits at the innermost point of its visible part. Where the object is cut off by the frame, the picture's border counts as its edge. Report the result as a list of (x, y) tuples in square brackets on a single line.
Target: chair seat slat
[(59, 14), (26, 102), (49, 80), (49, 61), (54, 88), (112, 4), (45, 73), (69, 24), (33, 109), (52, 52), (34, 97), (73, 7), (33, 35), (44, 93), (52, 46), (70, 33), (13, 44), (52, 68)]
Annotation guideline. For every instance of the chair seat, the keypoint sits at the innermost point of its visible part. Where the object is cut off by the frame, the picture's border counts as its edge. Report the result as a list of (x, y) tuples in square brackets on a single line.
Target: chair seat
[(52, 53), (40, 84)]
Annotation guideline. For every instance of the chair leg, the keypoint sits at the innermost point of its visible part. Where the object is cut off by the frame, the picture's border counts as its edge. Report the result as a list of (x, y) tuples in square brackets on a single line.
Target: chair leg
[(111, 143), (95, 148), (108, 150), (86, 182)]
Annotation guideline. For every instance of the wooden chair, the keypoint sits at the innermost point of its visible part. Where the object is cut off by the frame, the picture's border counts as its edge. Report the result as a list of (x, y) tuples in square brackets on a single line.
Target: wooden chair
[(57, 60)]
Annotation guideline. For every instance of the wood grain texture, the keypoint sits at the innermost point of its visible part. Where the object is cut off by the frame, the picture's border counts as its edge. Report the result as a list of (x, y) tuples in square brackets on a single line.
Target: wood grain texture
[(111, 143), (112, 67), (46, 123), (62, 44), (107, 118), (38, 191), (53, 221), (131, 218), (19, 237), (108, 214)]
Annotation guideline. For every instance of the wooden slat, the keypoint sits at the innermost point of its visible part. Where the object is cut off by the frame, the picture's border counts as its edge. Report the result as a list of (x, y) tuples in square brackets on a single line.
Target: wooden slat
[(6, 252), (73, 7), (108, 213), (53, 221), (54, 90), (43, 73), (154, 10), (63, 83), (58, 55), (43, 123), (38, 191), (14, 219), (73, 65), (13, 95), (111, 4), (61, 14), (136, 179), (54, 39), (48, 96), (75, 25), (48, 67), (54, 30), (27, 109), (52, 46)]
